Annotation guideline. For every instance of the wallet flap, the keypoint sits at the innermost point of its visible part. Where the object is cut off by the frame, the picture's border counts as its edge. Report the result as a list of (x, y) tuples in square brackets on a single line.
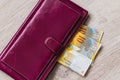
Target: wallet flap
[(45, 33), (53, 44)]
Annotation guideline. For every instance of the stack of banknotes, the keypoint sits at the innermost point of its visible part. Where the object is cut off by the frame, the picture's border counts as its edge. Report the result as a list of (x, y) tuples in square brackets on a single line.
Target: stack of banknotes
[(82, 50)]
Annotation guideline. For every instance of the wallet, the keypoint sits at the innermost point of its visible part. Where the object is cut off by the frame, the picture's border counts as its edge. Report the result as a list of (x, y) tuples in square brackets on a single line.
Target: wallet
[(35, 48)]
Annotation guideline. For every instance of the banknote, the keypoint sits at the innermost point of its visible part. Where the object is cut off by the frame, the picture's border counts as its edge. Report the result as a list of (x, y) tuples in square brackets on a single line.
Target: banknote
[(82, 50), (77, 60)]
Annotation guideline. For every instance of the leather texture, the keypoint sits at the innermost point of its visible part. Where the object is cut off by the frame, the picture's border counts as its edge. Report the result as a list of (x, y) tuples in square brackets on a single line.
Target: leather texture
[(34, 49)]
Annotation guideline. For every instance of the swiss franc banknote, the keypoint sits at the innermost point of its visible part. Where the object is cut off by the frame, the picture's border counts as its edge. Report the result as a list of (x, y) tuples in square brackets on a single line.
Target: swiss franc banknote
[(82, 50)]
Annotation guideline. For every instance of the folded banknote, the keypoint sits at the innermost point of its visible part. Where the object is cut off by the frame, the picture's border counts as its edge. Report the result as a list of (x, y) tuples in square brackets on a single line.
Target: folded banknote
[(82, 50)]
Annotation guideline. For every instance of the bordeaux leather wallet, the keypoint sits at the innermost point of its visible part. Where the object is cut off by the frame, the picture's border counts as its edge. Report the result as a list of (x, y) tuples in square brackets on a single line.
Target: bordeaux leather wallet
[(34, 49)]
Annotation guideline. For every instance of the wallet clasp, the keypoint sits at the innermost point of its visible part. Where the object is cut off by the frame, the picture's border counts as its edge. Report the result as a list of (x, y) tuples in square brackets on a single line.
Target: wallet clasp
[(53, 44)]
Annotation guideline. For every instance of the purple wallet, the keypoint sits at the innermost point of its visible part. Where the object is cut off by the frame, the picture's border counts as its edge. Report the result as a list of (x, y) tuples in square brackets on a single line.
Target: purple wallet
[(34, 49)]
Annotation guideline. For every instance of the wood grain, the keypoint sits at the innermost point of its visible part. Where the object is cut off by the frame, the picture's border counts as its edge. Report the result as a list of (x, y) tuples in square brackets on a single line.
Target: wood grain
[(103, 15)]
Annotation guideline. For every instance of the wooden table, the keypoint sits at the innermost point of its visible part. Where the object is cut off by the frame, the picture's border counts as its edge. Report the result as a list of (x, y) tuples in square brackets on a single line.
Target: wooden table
[(104, 15)]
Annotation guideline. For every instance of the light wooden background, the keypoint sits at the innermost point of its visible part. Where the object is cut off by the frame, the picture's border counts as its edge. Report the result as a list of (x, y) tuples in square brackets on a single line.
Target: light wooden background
[(104, 15)]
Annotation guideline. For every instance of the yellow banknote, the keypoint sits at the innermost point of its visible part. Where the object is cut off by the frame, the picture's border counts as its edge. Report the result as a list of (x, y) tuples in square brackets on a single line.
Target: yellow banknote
[(82, 50)]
